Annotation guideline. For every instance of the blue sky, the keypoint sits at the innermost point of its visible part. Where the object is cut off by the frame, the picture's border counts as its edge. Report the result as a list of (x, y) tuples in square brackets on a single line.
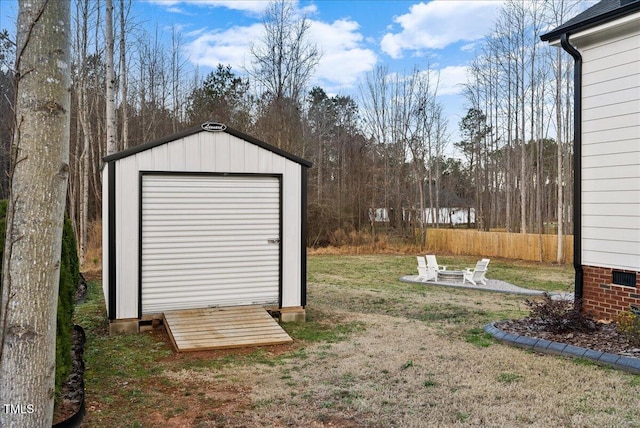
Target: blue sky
[(354, 36)]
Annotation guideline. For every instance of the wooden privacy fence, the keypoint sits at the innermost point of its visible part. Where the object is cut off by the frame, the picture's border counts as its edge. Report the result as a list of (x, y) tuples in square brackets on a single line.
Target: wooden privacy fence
[(522, 246)]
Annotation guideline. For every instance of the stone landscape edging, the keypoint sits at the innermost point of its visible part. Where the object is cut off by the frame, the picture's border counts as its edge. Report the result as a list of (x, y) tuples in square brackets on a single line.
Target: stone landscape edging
[(616, 361)]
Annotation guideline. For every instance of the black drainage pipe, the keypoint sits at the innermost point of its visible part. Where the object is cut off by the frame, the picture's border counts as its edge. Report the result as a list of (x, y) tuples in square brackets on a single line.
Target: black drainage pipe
[(577, 166)]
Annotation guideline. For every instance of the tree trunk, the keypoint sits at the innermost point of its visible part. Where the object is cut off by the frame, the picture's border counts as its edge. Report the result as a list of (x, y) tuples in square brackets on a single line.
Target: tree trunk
[(111, 91), (84, 131), (31, 268), (125, 84)]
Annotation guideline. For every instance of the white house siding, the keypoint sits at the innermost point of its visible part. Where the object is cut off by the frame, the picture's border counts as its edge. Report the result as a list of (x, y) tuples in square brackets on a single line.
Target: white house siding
[(203, 152), (611, 146), (451, 215)]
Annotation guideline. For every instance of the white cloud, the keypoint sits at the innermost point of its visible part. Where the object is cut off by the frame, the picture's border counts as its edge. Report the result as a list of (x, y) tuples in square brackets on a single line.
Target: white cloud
[(437, 24), (451, 79), (252, 6), (344, 58), (231, 46)]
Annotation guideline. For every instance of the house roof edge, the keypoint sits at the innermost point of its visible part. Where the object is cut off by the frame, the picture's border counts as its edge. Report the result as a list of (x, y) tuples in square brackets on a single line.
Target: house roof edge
[(590, 18)]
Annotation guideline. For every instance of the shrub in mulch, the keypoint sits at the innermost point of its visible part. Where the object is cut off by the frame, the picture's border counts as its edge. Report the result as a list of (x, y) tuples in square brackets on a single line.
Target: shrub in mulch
[(628, 324), (559, 316)]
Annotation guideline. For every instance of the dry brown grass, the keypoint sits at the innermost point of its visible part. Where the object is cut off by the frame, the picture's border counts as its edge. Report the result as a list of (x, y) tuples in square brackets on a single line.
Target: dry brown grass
[(93, 256), (419, 359), (400, 372), (413, 364), (494, 244)]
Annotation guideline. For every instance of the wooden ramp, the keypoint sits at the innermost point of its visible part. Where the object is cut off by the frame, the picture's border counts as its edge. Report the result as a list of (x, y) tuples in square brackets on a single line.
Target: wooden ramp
[(226, 327)]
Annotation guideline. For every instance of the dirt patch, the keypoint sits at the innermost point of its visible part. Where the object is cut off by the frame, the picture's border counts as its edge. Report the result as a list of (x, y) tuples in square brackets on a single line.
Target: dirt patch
[(160, 335)]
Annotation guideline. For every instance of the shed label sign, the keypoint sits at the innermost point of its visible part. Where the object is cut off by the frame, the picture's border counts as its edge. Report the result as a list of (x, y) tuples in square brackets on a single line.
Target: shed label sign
[(214, 126)]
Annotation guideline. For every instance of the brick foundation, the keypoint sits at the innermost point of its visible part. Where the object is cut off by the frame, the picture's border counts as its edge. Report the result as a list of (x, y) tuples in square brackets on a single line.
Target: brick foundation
[(601, 298)]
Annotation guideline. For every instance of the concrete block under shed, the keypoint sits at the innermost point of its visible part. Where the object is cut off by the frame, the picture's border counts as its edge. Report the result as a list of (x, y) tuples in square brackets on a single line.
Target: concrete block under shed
[(294, 314), (124, 326)]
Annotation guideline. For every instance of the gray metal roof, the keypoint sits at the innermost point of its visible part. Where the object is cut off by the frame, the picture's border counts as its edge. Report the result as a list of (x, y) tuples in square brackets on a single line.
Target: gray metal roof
[(600, 13)]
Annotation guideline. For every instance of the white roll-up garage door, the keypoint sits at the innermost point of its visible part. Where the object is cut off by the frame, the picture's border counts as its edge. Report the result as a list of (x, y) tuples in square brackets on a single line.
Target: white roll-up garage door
[(209, 241)]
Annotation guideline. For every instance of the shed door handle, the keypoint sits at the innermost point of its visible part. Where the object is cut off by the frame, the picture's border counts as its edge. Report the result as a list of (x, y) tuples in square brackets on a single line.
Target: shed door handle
[(274, 241)]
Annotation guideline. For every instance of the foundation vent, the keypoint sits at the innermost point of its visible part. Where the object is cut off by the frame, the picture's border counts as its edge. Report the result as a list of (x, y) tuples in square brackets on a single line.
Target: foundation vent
[(624, 278)]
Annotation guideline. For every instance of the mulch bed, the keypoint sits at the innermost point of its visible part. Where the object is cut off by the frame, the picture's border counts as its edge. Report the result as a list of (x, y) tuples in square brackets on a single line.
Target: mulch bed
[(72, 391)]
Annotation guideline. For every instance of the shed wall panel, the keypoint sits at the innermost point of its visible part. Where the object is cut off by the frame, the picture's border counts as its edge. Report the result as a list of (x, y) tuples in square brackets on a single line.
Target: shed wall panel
[(127, 238), (221, 160), (291, 259)]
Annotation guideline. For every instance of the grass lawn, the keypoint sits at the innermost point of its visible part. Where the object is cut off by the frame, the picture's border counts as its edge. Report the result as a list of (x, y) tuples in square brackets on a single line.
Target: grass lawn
[(373, 352)]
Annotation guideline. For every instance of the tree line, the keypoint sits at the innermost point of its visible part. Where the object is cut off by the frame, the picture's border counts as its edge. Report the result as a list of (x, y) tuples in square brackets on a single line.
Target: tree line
[(387, 148)]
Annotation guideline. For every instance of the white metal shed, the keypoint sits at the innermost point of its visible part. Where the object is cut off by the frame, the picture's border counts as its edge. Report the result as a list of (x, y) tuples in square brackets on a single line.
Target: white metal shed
[(205, 218)]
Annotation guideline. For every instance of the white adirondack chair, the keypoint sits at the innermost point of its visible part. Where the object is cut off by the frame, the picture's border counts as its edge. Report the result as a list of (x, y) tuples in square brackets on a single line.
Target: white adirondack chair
[(477, 274), (425, 273), (432, 263)]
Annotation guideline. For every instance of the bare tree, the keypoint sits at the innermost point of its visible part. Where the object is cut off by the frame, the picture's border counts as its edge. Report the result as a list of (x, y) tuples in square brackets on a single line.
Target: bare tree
[(375, 97), (31, 269), (321, 116), (283, 61), (426, 115), (511, 82), (84, 130), (389, 105), (557, 11), (7, 89), (112, 146), (153, 90), (124, 84)]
